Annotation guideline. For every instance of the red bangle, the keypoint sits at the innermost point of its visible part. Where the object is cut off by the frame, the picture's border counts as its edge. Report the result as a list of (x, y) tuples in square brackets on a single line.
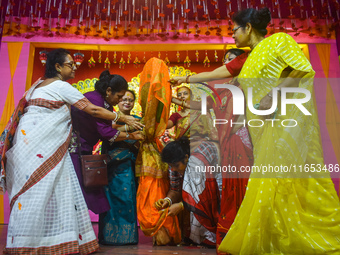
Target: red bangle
[(187, 79)]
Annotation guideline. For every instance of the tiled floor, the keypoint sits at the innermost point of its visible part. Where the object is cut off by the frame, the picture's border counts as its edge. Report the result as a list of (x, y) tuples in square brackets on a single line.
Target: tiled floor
[(144, 247)]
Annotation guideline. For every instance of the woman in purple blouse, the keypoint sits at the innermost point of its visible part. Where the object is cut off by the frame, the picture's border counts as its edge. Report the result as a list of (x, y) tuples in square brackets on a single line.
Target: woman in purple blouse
[(109, 90)]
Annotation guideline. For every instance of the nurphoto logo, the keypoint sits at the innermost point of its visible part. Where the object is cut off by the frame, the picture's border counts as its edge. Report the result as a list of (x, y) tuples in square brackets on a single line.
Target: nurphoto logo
[(239, 105)]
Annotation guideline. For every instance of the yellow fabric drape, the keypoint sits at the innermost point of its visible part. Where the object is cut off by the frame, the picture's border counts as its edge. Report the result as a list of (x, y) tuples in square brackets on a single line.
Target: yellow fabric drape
[(324, 51), (332, 112), (30, 67), (14, 50)]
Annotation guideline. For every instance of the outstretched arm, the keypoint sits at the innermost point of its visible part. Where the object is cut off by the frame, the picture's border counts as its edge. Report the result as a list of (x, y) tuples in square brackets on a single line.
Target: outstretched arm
[(217, 74), (102, 113), (195, 105)]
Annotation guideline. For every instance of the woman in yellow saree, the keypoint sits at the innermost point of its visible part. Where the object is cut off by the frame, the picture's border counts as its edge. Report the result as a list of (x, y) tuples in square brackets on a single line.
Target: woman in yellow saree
[(282, 213), (155, 99)]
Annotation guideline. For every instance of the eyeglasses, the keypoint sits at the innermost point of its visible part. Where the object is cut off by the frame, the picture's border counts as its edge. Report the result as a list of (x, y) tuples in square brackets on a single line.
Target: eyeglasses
[(128, 100), (236, 28), (71, 65)]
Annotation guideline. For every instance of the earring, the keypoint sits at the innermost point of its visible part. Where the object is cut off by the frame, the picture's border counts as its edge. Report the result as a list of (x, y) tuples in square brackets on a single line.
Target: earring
[(59, 70), (107, 95)]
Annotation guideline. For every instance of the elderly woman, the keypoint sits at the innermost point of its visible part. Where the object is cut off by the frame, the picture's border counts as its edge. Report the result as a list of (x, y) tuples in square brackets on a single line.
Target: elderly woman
[(282, 213), (48, 211), (109, 91), (118, 226)]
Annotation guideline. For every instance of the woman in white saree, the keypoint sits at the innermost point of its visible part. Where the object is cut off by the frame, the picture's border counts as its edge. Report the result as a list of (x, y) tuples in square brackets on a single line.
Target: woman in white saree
[(48, 211)]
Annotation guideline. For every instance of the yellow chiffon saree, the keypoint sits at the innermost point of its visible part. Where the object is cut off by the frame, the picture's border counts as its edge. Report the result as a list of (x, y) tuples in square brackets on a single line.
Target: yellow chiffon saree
[(284, 213)]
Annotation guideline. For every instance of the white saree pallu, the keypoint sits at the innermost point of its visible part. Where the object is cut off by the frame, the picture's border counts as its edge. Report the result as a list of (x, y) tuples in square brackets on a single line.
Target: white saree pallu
[(48, 212)]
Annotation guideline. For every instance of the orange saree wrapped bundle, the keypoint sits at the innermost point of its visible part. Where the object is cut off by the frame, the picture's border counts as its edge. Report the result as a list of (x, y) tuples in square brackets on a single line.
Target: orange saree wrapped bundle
[(155, 99)]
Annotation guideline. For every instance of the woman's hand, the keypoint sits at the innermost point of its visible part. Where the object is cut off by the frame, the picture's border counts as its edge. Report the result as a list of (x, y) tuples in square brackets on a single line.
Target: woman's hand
[(137, 135), (266, 102), (177, 80), (175, 209), (131, 121), (162, 204)]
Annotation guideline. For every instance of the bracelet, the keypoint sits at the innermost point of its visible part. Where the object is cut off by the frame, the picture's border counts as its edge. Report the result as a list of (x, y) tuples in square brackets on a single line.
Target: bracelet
[(182, 205), (187, 79), (127, 134), (117, 115), (169, 200)]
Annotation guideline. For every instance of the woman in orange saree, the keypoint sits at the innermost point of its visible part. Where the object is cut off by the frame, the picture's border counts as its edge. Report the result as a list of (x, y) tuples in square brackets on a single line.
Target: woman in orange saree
[(155, 99)]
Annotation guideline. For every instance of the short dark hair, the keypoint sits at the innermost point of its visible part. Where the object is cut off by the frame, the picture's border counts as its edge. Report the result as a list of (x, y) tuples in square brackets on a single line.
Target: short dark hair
[(114, 81), (259, 19), (54, 57), (235, 51), (175, 151)]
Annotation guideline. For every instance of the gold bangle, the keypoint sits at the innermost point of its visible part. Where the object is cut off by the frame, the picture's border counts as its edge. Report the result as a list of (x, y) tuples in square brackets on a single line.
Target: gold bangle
[(182, 205), (169, 200), (187, 79)]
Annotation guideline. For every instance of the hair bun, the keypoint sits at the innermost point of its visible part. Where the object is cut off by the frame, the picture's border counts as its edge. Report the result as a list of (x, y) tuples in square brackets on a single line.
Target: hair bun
[(264, 15), (105, 75)]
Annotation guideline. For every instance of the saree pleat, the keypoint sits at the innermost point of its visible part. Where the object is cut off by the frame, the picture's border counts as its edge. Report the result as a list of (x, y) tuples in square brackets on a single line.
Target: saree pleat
[(118, 226)]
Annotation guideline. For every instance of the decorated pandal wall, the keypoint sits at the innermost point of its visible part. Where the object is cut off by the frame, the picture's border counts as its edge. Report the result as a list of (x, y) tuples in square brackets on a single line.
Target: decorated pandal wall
[(88, 85)]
